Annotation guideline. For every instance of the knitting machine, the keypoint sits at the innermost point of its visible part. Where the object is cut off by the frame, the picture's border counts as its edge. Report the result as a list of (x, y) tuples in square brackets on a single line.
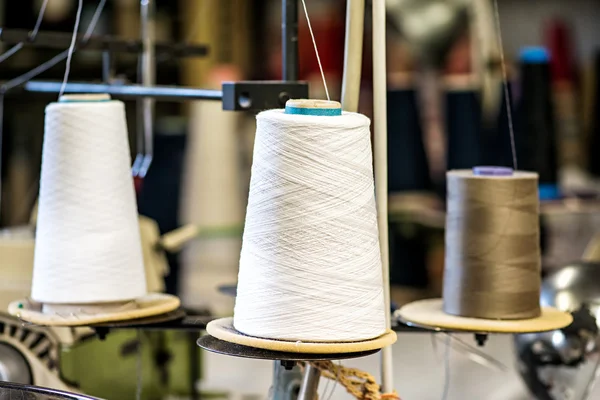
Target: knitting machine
[(30, 354), (15, 390)]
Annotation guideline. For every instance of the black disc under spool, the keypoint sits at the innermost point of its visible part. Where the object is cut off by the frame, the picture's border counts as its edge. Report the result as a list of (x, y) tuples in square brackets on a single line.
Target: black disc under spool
[(215, 345), (145, 323), (9, 390)]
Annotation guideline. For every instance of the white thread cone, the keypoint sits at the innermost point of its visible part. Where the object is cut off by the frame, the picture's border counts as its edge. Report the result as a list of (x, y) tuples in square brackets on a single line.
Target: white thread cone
[(211, 199), (310, 265), (88, 239)]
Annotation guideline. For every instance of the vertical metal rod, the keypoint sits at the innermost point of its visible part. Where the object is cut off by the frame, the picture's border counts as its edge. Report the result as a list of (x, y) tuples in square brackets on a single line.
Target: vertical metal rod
[(194, 365), (310, 383), (107, 67), (353, 50), (381, 173), (289, 40), (148, 73)]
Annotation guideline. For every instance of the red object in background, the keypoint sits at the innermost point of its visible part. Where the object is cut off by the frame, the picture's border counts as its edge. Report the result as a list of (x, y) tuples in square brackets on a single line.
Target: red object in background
[(137, 183), (562, 51), (458, 61), (328, 23), (329, 35)]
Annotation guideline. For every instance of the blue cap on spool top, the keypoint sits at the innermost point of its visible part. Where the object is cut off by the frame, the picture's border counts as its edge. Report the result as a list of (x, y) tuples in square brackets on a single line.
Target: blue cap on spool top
[(321, 108), (535, 55), (492, 171)]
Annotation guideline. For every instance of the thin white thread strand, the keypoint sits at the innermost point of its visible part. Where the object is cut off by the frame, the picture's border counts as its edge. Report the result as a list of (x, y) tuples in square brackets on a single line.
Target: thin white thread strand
[(40, 17), (310, 254), (312, 35), (10, 52), (13, 50), (94, 21), (19, 80), (335, 385), (71, 48), (505, 85), (323, 396), (446, 390)]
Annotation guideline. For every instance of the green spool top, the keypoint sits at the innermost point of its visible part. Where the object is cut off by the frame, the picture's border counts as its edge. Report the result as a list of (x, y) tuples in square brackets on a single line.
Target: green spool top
[(321, 108), (84, 98)]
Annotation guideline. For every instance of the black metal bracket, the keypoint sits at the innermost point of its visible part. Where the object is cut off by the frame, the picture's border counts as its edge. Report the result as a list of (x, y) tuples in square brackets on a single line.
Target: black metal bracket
[(288, 365), (235, 96), (261, 95), (481, 339)]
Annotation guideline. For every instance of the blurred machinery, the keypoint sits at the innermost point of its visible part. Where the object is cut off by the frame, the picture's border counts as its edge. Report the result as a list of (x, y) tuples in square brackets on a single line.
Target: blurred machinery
[(21, 391), (30, 354), (431, 28), (564, 364)]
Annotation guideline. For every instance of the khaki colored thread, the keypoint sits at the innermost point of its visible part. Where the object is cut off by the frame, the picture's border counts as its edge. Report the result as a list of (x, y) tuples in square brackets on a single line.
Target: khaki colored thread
[(359, 384), (492, 267)]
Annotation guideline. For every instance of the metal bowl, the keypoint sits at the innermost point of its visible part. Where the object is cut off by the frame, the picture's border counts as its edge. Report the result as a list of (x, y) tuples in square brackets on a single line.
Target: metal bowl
[(16, 391), (562, 364)]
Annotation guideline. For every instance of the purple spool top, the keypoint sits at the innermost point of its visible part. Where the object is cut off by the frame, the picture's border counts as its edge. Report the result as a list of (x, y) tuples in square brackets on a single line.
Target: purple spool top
[(492, 171)]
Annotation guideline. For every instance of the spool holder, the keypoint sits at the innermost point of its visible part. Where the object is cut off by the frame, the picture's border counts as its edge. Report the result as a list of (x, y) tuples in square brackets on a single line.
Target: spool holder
[(285, 360), (235, 96)]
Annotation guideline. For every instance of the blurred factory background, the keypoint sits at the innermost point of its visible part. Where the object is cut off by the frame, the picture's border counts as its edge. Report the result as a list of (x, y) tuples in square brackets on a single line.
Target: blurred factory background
[(446, 110)]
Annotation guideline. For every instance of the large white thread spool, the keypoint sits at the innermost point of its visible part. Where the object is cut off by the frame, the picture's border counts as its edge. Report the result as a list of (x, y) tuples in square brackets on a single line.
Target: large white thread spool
[(88, 247), (310, 266)]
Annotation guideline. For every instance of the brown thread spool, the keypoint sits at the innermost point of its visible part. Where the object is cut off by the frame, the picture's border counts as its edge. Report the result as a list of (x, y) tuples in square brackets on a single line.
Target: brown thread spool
[(492, 267)]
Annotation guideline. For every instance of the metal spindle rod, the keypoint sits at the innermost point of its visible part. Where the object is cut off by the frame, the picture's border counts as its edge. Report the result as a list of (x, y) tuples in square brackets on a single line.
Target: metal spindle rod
[(310, 383), (148, 73), (165, 93), (289, 38)]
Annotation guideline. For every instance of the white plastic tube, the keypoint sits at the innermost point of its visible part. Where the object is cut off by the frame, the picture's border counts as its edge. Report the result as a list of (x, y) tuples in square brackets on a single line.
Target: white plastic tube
[(381, 187), (353, 49)]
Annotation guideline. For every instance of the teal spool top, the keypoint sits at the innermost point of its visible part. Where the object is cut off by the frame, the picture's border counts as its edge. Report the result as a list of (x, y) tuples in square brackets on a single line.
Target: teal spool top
[(321, 108), (84, 98)]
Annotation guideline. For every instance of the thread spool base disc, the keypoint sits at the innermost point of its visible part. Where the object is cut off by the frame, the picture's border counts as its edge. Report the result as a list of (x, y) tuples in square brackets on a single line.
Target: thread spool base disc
[(219, 346), (147, 306), (429, 314), (223, 329)]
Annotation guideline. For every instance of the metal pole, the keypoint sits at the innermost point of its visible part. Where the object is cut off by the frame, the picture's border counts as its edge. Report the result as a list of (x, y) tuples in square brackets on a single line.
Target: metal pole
[(165, 93), (289, 38), (286, 383), (310, 383), (381, 178), (353, 50), (148, 73)]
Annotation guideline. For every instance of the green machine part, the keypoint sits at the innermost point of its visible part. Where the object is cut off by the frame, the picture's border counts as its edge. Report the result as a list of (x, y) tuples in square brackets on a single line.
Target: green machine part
[(109, 369)]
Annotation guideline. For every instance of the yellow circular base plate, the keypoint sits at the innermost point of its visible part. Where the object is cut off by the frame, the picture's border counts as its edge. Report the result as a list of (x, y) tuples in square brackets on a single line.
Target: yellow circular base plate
[(430, 314), (223, 329), (146, 306)]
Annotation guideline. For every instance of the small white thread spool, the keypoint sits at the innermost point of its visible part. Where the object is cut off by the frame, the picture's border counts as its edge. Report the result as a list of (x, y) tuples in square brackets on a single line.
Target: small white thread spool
[(88, 249), (310, 266)]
